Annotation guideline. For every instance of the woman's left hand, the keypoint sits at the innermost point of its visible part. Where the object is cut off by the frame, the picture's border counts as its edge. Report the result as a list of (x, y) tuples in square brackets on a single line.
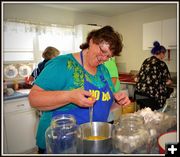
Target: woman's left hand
[(121, 98)]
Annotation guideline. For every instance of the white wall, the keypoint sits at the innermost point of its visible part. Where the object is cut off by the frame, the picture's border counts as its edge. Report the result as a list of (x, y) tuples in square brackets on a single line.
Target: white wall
[(37, 13), (129, 25)]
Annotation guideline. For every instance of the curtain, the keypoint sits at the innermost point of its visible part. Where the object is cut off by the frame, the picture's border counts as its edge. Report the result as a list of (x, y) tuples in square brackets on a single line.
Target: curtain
[(61, 37)]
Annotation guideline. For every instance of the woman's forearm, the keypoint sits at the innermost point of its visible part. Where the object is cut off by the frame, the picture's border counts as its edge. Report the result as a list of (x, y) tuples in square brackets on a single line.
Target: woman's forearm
[(47, 100)]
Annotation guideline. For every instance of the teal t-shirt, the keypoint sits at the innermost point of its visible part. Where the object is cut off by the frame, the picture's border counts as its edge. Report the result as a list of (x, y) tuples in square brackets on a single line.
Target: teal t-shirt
[(113, 71), (65, 73)]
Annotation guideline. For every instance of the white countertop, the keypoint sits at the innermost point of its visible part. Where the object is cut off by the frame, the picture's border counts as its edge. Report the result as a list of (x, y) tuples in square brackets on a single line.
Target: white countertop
[(17, 94), (24, 91)]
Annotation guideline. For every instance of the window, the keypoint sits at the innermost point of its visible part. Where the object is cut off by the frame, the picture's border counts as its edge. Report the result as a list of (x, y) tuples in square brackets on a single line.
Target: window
[(26, 38), (60, 37)]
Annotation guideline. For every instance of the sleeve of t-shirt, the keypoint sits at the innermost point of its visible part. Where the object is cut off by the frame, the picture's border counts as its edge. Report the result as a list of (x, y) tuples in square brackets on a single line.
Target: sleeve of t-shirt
[(108, 77), (112, 68), (53, 76)]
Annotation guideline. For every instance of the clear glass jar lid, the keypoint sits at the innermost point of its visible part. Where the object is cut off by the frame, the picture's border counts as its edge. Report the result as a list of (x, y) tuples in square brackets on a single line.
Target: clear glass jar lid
[(63, 119)]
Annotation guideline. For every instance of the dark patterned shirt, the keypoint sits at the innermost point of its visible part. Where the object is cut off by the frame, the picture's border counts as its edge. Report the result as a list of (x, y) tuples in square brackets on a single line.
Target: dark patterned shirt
[(152, 79)]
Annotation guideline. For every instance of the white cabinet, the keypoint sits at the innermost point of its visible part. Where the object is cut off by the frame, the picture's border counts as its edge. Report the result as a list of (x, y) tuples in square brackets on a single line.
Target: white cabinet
[(163, 31), (169, 33), (81, 32), (18, 41), (20, 124), (151, 32)]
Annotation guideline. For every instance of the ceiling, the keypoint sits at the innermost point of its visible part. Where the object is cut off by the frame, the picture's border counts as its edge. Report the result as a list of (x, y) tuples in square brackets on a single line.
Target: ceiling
[(101, 8)]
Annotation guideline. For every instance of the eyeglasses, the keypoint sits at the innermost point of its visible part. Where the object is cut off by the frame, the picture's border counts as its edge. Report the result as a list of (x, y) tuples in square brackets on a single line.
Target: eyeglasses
[(106, 53)]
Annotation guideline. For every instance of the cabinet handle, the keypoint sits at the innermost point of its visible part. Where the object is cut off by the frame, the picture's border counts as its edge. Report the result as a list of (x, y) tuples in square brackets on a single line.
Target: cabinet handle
[(149, 47), (20, 105)]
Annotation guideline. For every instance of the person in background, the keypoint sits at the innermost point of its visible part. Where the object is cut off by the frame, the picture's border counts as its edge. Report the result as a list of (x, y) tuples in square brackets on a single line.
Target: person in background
[(49, 53), (113, 71), (152, 80), (72, 83)]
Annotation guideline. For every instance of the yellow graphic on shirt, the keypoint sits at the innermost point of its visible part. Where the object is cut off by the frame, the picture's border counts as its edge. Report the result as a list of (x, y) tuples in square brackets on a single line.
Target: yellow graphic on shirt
[(96, 94), (105, 96)]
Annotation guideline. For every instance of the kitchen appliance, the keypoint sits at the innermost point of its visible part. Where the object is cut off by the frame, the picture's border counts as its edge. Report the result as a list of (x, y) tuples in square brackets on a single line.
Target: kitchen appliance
[(95, 138)]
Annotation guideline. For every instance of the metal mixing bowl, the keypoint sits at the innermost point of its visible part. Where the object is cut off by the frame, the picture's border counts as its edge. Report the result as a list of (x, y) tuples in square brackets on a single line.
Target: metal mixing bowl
[(86, 146)]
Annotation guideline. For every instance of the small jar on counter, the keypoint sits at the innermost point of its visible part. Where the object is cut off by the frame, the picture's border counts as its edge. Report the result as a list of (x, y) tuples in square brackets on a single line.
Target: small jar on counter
[(16, 85), (130, 136)]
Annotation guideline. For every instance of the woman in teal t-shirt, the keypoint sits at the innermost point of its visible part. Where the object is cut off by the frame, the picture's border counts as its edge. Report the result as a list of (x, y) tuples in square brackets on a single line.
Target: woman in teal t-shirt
[(68, 80)]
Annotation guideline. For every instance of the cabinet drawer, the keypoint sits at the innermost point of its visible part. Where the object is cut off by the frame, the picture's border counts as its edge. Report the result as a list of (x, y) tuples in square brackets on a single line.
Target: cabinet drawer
[(17, 105)]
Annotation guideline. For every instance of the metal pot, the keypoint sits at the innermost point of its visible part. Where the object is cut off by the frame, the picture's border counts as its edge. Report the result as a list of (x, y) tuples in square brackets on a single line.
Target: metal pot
[(95, 138)]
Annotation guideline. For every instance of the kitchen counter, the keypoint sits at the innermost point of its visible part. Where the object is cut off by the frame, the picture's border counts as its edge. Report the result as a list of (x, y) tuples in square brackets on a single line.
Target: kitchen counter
[(17, 94), (127, 78), (127, 82)]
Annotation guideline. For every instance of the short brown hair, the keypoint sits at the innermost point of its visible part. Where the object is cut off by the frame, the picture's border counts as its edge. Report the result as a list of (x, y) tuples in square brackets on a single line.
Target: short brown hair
[(50, 52), (107, 34)]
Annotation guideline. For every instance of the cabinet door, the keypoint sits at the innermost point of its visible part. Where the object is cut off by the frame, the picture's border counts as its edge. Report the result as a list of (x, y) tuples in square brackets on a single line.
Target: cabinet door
[(20, 123), (20, 131), (151, 33), (86, 29), (169, 33), (81, 32)]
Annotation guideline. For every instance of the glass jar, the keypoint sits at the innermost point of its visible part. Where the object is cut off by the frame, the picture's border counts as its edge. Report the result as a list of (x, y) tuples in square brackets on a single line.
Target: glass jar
[(130, 136), (61, 135), (171, 106)]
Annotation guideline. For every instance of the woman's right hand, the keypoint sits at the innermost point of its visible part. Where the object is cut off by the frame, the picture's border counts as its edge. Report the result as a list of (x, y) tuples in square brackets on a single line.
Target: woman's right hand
[(80, 97), (168, 82)]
